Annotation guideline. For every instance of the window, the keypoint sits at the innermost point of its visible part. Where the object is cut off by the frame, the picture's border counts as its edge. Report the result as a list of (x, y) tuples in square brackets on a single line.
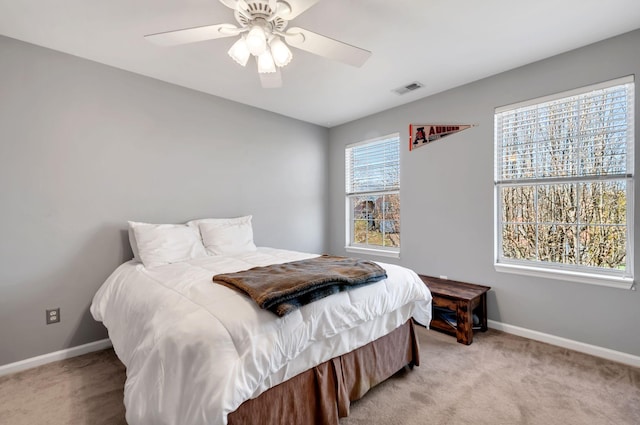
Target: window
[(373, 195), (564, 185)]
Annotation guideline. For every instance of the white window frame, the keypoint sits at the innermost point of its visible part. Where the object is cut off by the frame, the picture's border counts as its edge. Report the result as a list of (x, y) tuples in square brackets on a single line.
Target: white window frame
[(350, 245), (577, 273)]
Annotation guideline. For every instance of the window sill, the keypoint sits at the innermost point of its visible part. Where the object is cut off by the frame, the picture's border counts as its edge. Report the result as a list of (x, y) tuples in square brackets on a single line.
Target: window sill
[(373, 251), (592, 279)]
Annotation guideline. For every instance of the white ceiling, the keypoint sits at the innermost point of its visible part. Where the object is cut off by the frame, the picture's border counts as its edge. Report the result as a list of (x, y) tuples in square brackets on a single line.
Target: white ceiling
[(441, 43)]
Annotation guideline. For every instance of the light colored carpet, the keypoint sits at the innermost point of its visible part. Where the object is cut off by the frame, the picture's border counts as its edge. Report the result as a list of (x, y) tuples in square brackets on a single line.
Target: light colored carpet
[(499, 379)]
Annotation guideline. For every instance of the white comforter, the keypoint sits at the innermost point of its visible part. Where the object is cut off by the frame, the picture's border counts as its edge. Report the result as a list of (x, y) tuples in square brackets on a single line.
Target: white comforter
[(195, 350)]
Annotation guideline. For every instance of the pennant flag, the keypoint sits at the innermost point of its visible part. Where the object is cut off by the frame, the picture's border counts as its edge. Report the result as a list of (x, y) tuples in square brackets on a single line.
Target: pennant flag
[(421, 134)]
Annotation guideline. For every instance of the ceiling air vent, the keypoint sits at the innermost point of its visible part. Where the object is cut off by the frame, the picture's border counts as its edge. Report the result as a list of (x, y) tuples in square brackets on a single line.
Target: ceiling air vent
[(409, 87)]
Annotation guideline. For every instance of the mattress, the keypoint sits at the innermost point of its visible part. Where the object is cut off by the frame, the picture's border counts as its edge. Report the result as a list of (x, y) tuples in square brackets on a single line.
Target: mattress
[(195, 350)]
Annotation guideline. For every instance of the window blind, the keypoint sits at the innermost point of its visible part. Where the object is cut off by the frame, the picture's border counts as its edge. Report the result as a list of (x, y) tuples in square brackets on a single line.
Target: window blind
[(373, 166), (583, 135)]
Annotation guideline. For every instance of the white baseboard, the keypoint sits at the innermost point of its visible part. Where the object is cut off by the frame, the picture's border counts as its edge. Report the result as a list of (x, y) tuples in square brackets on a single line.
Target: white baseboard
[(594, 350), (55, 356)]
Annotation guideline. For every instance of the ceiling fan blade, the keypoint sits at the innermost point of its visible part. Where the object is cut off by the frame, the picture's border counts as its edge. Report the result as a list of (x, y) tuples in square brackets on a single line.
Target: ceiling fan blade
[(326, 47), (272, 80), (239, 6), (192, 35), (231, 4), (296, 7)]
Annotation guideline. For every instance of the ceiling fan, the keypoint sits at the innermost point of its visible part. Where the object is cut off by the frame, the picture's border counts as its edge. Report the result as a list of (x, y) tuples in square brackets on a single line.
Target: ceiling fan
[(261, 30)]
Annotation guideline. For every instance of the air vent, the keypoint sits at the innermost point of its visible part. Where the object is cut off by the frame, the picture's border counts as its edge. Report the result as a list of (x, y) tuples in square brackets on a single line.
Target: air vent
[(409, 87)]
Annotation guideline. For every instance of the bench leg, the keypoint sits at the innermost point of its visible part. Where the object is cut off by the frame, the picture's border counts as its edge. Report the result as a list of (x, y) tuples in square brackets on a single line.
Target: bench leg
[(483, 310), (464, 331)]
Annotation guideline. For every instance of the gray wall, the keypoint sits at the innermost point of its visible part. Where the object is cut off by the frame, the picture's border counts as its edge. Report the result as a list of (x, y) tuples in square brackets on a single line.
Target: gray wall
[(85, 147), (447, 197)]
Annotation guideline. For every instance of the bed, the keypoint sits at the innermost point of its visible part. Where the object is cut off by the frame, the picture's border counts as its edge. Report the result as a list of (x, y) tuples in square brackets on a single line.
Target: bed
[(199, 353)]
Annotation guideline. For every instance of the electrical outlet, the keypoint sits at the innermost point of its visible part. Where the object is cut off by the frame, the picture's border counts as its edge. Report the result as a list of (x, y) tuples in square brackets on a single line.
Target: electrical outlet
[(53, 315)]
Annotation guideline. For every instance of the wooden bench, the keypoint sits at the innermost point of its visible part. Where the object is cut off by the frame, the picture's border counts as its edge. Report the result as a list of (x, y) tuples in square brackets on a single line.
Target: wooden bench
[(461, 299)]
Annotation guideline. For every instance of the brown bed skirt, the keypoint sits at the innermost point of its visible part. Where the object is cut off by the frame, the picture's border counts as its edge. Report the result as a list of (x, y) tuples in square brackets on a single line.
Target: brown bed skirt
[(323, 394)]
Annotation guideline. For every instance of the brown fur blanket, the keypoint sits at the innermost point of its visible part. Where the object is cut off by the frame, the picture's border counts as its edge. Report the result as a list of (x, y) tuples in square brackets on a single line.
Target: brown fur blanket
[(282, 288)]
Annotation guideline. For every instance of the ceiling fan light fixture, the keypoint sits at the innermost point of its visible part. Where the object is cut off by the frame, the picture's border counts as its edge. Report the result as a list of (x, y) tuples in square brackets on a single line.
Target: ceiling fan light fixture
[(281, 53), (256, 40), (265, 63), (263, 31), (239, 52)]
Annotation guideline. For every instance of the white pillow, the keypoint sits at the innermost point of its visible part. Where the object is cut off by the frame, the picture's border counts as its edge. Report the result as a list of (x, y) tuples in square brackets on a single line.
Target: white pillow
[(160, 244), (227, 235), (133, 243)]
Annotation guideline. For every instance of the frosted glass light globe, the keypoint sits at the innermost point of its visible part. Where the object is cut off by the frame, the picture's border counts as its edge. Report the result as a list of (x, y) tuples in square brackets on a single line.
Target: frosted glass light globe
[(256, 40)]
